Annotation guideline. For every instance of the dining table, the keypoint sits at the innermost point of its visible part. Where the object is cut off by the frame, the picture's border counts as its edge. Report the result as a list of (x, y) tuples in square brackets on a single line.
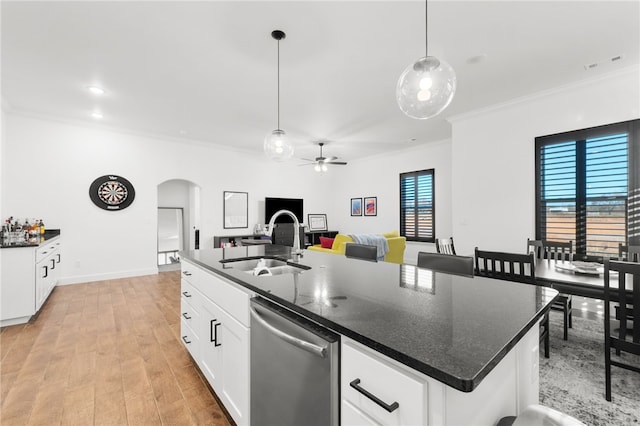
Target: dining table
[(566, 278)]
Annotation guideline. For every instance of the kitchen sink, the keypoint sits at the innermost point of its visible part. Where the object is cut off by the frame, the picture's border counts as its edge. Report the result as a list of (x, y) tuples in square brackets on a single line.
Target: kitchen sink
[(262, 266)]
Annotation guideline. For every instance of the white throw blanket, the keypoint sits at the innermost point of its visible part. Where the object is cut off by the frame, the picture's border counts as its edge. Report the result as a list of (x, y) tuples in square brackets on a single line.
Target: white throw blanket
[(373, 240)]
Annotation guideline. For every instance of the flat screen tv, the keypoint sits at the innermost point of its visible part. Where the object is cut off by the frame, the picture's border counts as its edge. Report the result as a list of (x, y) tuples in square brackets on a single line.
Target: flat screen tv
[(294, 205)]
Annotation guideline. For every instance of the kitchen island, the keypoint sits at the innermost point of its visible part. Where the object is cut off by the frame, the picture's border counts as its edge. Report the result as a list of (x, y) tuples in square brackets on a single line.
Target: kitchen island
[(469, 345)]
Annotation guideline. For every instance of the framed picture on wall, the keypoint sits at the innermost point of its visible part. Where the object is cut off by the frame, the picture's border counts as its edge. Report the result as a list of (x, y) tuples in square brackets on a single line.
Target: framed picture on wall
[(317, 222), (370, 206), (235, 209), (356, 207)]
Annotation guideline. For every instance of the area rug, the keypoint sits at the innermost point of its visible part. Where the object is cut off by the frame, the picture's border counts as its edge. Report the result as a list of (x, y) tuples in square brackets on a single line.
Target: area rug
[(572, 379)]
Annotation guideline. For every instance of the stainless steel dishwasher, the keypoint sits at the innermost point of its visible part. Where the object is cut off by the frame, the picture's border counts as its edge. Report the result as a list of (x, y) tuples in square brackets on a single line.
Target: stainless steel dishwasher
[(294, 369)]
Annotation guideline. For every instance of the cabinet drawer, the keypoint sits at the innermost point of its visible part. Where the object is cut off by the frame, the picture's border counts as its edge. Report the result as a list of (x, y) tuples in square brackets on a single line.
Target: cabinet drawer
[(382, 381), (194, 274), (230, 297), (45, 250), (189, 315), (189, 294), (189, 339)]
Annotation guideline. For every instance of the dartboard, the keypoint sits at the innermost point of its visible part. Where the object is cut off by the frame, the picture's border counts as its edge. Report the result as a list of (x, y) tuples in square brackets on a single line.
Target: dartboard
[(111, 192)]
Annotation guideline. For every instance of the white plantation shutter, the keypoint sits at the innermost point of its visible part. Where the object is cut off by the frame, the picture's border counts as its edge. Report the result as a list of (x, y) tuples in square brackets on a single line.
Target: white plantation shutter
[(417, 207)]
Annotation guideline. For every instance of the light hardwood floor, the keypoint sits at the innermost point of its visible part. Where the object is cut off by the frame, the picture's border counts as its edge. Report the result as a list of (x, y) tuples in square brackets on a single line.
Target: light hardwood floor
[(104, 353)]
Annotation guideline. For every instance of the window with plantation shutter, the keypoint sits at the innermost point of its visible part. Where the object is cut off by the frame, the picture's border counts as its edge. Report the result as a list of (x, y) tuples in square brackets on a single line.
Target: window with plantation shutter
[(582, 188), (417, 206)]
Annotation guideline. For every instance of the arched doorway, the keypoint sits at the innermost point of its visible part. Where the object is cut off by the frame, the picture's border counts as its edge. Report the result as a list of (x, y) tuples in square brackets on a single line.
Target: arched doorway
[(178, 221)]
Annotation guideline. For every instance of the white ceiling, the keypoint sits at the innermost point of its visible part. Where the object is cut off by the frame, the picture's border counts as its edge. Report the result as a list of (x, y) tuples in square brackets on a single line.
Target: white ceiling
[(208, 68)]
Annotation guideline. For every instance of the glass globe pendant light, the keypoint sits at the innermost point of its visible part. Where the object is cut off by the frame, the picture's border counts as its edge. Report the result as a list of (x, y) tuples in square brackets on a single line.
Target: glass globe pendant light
[(276, 145), (426, 87)]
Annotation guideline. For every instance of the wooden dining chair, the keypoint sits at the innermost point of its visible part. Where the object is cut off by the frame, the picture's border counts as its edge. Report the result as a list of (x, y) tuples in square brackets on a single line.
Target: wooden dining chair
[(512, 267), (628, 253), (445, 246), (561, 251), (558, 250), (536, 247), (627, 336), (452, 264), (361, 251)]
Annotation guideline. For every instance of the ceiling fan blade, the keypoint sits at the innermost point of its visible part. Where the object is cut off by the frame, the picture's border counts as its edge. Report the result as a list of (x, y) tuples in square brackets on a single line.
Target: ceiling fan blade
[(337, 163), (329, 159), (306, 159)]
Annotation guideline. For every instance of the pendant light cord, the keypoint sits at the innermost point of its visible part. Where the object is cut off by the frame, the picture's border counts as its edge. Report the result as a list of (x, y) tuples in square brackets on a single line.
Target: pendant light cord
[(426, 30), (278, 84)]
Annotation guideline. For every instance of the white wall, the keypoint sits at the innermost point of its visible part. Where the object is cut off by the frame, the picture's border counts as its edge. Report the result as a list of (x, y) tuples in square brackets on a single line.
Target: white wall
[(54, 183), (380, 177), (493, 181)]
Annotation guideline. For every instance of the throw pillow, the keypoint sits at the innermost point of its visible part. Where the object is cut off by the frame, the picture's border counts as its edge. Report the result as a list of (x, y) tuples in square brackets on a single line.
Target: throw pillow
[(391, 234), (326, 242)]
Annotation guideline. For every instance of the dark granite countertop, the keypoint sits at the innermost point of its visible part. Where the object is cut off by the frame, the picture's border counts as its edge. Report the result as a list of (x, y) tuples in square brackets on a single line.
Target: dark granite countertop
[(32, 242), (452, 328)]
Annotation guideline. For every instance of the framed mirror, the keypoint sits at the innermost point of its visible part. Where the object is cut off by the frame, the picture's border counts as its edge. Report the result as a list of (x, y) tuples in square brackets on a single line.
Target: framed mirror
[(236, 209)]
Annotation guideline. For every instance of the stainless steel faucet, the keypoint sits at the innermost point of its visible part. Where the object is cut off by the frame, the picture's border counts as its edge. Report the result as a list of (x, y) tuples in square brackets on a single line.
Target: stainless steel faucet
[(296, 230)]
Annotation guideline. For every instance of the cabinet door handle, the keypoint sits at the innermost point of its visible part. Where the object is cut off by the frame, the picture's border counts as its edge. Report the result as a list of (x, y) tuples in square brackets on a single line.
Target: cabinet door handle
[(213, 332), (59, 258), (390, 408), (184, 314), (184, 338), (46, 271), (53, 263), (186, 294), (215, 335), (187, 273)]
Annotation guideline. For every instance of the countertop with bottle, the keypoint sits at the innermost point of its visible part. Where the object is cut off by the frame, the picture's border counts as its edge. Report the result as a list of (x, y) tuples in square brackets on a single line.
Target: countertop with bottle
[(31, 242)]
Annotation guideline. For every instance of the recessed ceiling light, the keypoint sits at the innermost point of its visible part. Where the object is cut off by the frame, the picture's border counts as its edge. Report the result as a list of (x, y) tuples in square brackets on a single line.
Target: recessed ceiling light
[(96, 90), (96, 115), (477, 59)]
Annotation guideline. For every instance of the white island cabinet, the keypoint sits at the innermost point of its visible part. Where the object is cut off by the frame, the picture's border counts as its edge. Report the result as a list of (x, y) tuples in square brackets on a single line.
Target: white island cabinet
[(29, 274), (377, 390), (215, 330)]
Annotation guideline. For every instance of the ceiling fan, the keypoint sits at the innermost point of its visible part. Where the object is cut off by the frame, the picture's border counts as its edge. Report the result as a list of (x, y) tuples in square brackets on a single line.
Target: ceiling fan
[(321, 162)]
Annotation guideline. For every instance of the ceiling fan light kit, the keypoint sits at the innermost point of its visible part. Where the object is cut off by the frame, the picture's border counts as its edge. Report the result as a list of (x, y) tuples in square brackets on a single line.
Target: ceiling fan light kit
[(276, 144), (320, 163), (427, 86)]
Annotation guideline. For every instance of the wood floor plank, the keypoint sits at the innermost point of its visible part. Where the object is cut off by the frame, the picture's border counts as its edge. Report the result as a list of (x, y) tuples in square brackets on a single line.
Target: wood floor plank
[(18, 404), (79, 405), (110, 408), (49, 404), (142, 410)]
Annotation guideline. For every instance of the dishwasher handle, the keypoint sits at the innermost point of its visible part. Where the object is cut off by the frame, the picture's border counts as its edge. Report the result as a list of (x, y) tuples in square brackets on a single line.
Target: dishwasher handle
[(320, 351)]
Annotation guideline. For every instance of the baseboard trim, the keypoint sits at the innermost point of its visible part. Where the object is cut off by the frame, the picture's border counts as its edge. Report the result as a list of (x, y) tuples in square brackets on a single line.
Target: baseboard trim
[(107, 276)]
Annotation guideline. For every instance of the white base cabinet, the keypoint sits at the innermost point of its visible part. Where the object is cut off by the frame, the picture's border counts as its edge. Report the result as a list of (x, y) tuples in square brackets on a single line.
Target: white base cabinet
[(218, 332), (29, 274), (412, 398)]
